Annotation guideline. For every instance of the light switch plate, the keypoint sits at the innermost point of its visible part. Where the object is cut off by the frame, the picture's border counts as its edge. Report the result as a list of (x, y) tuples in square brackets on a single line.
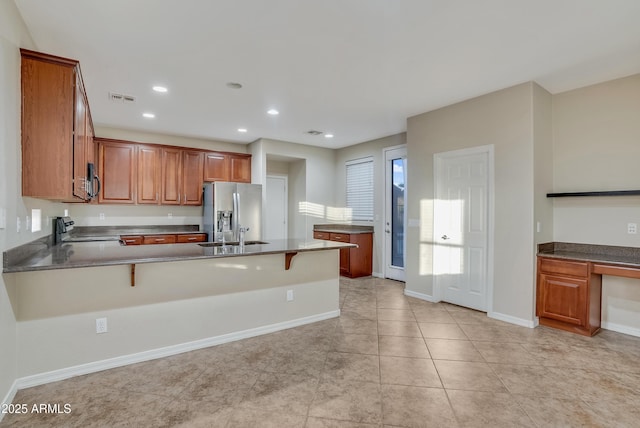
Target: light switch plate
[(3, 218)]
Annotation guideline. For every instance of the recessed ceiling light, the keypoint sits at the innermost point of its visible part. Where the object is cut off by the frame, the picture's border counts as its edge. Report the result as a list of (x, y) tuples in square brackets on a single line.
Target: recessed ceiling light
[(273, 112), (161, 89), (149, 115), (234, 85), (328, 135), (242, 129)]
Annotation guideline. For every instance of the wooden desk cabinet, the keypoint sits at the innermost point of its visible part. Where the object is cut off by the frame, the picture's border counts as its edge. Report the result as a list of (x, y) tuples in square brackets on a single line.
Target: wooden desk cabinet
[(568, 295)]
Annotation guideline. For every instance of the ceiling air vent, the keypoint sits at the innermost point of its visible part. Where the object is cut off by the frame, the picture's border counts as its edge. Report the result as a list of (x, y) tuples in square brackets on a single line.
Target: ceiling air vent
[(121, 98), (313, 132)]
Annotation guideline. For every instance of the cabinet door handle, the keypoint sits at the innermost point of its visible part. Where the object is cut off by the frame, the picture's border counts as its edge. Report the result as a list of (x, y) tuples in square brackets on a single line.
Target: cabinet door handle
[(192, 239)]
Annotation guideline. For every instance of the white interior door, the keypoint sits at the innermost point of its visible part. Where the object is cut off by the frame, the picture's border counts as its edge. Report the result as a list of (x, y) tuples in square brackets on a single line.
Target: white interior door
[(395, 213), (461, 223), (276, 208)]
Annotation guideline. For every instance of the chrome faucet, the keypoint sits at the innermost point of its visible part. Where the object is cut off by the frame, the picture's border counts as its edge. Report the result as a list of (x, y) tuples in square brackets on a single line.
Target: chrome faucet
[(242, 231)]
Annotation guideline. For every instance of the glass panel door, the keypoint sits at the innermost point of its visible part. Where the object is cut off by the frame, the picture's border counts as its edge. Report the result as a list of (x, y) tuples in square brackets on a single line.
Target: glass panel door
[(395, 213)]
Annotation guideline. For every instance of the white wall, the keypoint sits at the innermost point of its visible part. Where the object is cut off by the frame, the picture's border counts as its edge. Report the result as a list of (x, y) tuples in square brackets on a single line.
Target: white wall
[(315, 203), (596, 146), (13, 35), (503, 119), (543, 164), (374, 149)]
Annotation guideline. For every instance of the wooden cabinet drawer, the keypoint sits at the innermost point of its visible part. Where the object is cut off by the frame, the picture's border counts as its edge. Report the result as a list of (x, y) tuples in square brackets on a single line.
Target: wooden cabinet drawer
[(159, 239), (192, 237), (321, 235), (131, 239), (340, 237), (564, 267)]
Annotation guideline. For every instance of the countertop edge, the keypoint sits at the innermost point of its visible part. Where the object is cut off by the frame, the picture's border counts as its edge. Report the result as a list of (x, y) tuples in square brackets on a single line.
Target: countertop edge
[(610, 255), (169, 258)]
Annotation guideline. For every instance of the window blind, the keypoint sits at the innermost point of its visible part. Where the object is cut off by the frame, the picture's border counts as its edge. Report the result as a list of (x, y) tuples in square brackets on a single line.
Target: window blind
[(360, 188)]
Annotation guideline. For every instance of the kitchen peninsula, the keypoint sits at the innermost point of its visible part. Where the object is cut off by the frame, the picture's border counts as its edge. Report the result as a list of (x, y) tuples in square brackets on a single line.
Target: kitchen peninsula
[(186, 296)]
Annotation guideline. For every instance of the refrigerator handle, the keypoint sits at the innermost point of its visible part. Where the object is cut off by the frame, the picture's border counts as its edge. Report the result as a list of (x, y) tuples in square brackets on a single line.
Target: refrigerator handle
[(236, 213)]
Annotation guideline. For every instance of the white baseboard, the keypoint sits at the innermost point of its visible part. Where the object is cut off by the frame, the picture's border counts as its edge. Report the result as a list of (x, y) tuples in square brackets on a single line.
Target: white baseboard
[(631, 331), (377, 275), (96, 366), (9, 397), (420, 296), (512, 320)]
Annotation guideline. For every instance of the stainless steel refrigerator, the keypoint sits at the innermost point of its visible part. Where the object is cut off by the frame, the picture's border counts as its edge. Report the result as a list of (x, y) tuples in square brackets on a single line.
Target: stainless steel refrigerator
[(229, 206)]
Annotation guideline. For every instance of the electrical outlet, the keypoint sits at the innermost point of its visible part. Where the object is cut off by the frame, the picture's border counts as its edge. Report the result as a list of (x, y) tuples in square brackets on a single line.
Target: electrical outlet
[(289, 295), (632, 228), (101, 325), (101, 216), (170, 215)]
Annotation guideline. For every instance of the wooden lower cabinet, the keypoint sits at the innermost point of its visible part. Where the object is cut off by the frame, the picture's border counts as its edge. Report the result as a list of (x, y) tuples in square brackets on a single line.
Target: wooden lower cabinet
[(163, 238), (568, 295), (191, 237), (354, 262), (131, 239)]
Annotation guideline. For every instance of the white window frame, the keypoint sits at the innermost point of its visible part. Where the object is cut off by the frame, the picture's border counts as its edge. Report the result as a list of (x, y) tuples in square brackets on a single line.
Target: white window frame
[(359, 192)]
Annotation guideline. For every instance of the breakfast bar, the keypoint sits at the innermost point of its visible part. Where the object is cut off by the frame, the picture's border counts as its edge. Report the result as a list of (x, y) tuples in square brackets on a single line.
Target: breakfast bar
[(186, 296)]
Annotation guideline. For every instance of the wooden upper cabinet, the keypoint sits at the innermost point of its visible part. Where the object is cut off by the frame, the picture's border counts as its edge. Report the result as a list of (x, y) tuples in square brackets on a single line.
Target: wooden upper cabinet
[(227, 167), (171, 176), (55, 115), (117, 171), (148, 174), (137, 173), (192, 171), (240, 168), (216, 167), (80, 142)]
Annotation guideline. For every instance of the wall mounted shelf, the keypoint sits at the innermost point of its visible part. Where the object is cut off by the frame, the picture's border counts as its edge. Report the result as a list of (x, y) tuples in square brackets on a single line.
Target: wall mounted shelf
[(606, 193)]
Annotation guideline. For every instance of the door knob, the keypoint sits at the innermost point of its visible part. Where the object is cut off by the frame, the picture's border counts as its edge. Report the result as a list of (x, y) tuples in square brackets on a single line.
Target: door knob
[(387, 230), (445, 237)]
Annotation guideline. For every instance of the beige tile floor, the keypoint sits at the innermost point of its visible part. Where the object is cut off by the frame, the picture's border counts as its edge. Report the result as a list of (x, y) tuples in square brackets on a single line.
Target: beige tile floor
[(389, 360)]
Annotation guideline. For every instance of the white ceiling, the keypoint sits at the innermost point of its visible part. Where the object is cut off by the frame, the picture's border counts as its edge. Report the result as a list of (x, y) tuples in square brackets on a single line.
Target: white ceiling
[(355, 68)]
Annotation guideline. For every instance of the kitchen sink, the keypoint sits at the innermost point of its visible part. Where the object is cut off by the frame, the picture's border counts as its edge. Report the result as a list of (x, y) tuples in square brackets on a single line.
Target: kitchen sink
[(232, 243)]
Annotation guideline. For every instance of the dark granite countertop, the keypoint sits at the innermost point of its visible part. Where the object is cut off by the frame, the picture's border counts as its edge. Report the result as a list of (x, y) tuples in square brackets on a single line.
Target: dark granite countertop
[(342, 228), (625, 256), (106, 253)]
